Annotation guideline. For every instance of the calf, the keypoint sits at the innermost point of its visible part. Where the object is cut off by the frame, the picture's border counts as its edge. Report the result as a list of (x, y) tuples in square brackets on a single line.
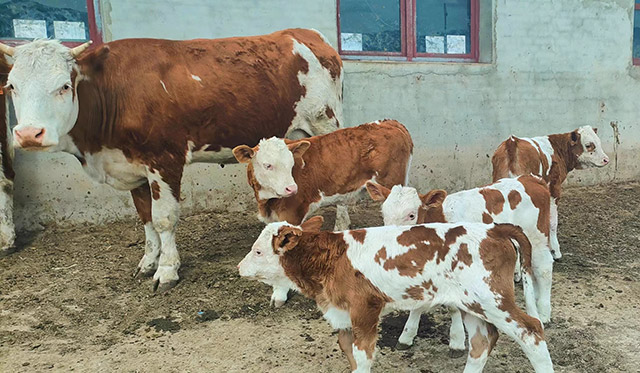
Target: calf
[(523, 201), (292, 179), (7, 231), (550, 157), (355, 275)]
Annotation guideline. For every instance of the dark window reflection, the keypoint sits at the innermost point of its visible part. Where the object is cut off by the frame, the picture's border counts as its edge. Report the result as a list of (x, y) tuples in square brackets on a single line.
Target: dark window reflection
[(55, 19), (443, 26), (636, 34), (370, 25)]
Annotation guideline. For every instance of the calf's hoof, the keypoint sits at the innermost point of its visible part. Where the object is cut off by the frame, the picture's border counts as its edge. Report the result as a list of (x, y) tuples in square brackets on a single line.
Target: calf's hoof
[(162, 287), (454, 354), (402, 346), (557, 256), (141, 272)]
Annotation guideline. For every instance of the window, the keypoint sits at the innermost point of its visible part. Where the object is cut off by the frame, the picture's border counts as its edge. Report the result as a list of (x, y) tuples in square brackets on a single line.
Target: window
[(71, 21), (409, 29), (636, 33)]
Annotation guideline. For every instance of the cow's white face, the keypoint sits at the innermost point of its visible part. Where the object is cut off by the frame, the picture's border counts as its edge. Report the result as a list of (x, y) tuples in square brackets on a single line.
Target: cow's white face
[(401, 206), (43, 95), (263, 261), (592, 153), (272, 161)]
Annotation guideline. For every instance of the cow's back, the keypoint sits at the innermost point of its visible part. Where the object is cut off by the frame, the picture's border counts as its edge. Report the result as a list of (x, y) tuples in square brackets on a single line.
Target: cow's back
[(216, 93), (514, 157)]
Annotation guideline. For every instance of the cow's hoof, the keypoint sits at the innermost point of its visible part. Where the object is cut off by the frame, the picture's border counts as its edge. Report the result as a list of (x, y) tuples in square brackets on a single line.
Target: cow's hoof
[(556, 256), (454, 354), (162, 287), (143, 272), (402, 346), (279, 303)]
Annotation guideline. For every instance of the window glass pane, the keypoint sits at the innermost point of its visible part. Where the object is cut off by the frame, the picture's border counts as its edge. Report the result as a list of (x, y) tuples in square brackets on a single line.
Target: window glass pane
[(443, 26), (56, 19), (636, 34), (370, 25)]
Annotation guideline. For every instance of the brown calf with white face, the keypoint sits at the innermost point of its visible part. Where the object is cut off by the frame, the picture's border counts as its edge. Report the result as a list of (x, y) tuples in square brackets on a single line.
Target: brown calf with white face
[(523, 201), (292, 179), (7, 229), (355, 275), (551, 157)]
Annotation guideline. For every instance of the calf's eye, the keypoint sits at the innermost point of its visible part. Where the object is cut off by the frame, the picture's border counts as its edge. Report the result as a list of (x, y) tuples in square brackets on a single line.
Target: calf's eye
[(268, 166), (412, 216)]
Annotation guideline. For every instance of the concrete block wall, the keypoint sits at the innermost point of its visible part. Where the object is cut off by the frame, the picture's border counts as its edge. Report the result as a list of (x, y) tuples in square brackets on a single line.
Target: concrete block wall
[(548, 67)]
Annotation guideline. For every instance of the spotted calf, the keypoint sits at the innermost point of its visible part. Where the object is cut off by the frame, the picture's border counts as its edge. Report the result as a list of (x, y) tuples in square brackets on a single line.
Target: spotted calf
[(551, 157), (292, 179), (355, 275), (523, 201)]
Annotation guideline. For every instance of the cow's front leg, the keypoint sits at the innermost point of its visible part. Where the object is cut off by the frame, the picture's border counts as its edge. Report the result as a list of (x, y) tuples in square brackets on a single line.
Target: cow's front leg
[(279, 295), (165, 211), (553, 230), (7, 229), (142, 200), (365, 314)]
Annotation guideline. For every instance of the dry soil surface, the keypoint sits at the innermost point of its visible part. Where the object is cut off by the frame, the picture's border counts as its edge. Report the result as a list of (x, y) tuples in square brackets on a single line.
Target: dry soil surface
[(68, 302)]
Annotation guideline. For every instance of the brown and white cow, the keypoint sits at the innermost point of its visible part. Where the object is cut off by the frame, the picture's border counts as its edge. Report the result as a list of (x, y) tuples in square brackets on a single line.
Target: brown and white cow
[(523, 202), (355, 275), (7, 229), (292, 179), (551, 157), (136, 111)]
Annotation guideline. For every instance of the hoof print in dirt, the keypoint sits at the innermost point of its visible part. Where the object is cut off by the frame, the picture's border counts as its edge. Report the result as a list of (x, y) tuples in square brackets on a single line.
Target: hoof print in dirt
[(454, 354), (163, 287), (164, 324), (401, 346), (207, 315)]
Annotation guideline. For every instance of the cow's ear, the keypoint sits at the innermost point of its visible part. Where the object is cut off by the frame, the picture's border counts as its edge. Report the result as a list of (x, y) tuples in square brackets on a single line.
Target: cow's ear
[(286, 239), (313, 225), (377, 192), (595, 130), (94, 60), (575, 136), (298, 148), (433, 198), (243, 153)]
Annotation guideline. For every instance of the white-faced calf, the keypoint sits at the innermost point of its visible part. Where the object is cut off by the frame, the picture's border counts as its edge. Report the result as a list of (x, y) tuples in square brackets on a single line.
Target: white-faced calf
[(523, 201), (550, 157), (292, 179), (355, 275)]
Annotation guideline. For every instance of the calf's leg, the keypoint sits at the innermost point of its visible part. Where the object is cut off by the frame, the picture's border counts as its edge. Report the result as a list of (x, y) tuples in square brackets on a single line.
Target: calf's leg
[(553, 231), (456, 333), (542, 265), (410, 330), (364, 320), (142, 200), (482, 339), (165, 211), (345, 340), (279, 295)]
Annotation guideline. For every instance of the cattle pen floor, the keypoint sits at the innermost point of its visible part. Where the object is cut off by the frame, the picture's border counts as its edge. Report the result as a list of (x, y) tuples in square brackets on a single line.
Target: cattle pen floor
[(68, 302)]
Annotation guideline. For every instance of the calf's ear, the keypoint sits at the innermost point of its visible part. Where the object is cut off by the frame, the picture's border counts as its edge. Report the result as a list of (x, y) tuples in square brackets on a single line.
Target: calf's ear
[(377, 192), (286, 239), (298, 148), (313, 225), (243, 153), (574, 137), (433, 198)]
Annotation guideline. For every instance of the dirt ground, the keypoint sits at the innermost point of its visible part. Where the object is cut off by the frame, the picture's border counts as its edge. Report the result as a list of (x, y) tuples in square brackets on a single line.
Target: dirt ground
[(68, 302)]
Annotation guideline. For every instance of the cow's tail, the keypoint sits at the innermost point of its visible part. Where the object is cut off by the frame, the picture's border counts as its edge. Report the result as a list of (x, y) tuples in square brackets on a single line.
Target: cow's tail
[(522, 246), (505, 159)]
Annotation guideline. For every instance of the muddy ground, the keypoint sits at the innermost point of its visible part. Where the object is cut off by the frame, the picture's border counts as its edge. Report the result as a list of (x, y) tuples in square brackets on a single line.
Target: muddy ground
[(68, 302)]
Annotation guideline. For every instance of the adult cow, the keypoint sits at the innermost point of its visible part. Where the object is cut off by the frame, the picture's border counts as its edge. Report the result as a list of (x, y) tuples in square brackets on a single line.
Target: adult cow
[(136, 111), (7, 231)]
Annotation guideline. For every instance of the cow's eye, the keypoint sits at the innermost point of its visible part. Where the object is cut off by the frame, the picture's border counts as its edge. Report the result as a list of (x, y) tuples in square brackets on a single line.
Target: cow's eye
[(412, 216), (591, 147), (9, 87), (268, 166), (258, 252), (65, 88)]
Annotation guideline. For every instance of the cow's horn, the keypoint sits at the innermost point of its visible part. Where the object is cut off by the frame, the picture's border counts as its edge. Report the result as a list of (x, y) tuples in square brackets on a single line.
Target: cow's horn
[(75, 52), (7, 49)]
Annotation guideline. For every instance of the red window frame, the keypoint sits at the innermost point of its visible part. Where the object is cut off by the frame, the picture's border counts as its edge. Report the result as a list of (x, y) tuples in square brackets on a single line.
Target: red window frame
[(95, 33), (408, 36), (636, 61)]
